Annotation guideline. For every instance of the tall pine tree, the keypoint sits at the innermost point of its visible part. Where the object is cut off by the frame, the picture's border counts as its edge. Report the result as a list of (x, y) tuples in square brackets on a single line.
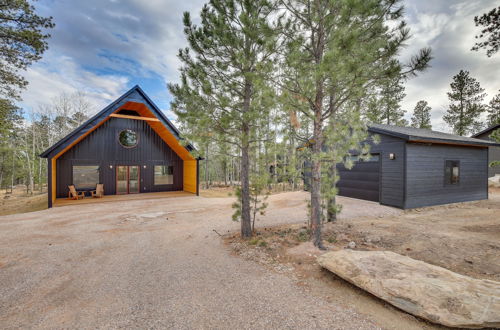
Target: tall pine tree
[(494, 111), (225, 78), (336, 51), (22, 42), (390, 103), (466, 106), (490, 22), (421, 115)]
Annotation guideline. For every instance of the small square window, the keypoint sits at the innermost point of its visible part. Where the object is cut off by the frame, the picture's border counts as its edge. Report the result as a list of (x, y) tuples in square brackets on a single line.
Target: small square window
[(451, 172)]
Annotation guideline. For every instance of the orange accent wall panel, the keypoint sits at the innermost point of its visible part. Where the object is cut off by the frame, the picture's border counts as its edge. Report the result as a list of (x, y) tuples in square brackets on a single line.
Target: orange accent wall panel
[(190, 176)]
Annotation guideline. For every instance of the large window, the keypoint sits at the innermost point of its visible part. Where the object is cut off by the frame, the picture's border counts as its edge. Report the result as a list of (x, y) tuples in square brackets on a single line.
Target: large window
[(164, 174), (451, 172), (85, 177)]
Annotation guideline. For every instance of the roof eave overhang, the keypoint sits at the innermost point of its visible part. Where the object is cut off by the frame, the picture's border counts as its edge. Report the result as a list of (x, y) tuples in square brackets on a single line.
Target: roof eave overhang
[(416, 139), (382, 131), (492, 128)]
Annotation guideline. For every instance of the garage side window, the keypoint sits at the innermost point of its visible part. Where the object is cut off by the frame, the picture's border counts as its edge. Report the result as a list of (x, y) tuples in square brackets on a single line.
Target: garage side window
[(85, 177), (164, 174), (451, 172)]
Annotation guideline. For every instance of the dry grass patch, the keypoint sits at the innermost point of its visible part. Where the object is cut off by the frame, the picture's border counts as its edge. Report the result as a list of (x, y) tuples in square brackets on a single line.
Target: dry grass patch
[(20, 202)]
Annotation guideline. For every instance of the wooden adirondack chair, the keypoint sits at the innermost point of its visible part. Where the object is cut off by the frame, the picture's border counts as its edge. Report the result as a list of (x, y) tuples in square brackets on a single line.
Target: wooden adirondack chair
[(73, 194), (99, 191)]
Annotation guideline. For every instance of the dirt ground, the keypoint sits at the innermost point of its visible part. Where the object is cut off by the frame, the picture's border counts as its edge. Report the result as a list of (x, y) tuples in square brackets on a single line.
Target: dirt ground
[(20, 202), (157, 263), (162, 264), (464, 238)]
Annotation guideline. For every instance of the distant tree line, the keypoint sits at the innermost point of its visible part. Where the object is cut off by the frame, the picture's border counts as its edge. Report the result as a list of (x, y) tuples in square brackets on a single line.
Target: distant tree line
[(26, 134), (23, 40)]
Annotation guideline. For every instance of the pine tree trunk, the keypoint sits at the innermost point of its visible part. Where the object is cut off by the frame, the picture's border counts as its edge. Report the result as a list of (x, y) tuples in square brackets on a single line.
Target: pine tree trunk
[(316, 184), (13, 173), (206, 169), (331, 213), (246, 225), (246, 228)]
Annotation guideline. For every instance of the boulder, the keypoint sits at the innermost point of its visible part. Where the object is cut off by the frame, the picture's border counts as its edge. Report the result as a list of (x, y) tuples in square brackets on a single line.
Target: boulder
[(494, 181), (424, 290)]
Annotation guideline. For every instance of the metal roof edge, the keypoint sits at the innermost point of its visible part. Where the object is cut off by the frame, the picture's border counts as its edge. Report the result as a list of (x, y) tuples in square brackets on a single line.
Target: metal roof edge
[(486, 130)]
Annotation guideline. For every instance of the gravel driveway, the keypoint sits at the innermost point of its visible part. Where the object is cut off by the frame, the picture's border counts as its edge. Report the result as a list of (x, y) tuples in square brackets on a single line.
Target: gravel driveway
[(153, 264)]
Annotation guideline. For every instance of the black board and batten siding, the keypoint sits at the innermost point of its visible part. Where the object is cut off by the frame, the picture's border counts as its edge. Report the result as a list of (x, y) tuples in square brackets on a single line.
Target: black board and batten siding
[(425, 180), (101, 147)]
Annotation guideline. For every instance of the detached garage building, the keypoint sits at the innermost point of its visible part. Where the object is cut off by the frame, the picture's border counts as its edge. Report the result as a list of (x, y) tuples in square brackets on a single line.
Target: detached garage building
[(413, 168)]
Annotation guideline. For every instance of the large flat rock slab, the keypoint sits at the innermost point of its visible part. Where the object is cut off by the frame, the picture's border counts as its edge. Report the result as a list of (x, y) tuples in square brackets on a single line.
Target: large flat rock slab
[(428, 291)]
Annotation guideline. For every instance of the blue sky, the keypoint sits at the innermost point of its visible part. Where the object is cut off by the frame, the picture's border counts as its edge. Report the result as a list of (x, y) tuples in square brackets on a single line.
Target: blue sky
[(104, 47)]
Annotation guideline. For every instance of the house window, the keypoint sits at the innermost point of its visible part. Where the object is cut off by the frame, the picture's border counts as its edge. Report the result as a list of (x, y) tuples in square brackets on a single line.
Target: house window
[(164, 174), (85, 177), (128, 138), (451, 172)]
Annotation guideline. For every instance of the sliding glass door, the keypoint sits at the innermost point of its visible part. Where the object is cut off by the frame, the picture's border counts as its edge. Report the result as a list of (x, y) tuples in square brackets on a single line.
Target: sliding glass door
[(127, 179), (133, 179)]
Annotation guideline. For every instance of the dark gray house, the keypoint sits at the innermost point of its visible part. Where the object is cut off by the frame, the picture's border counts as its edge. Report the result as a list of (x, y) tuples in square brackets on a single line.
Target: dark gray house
[(130, 147), (413, 168), (493, 152)]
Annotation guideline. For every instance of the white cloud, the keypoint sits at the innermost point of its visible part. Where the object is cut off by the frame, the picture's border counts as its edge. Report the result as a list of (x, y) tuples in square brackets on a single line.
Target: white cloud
[(58, 74), (449, 30), (101, 47)]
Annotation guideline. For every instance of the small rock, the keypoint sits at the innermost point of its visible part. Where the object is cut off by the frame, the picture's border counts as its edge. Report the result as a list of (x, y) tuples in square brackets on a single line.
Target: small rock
[(351, 245)]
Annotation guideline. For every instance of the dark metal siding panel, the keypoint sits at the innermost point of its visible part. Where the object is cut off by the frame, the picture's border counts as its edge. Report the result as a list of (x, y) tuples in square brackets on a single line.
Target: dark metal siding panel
[(101, 147), (425, 175), (392, 170)]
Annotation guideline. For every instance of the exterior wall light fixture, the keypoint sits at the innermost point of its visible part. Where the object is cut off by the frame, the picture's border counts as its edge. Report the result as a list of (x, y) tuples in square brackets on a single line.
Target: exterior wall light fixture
[(392, 156)]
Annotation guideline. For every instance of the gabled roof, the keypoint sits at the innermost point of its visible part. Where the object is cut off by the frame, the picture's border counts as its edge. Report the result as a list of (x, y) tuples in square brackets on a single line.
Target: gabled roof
[(489, 129), (426, 135), (135, 99)]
